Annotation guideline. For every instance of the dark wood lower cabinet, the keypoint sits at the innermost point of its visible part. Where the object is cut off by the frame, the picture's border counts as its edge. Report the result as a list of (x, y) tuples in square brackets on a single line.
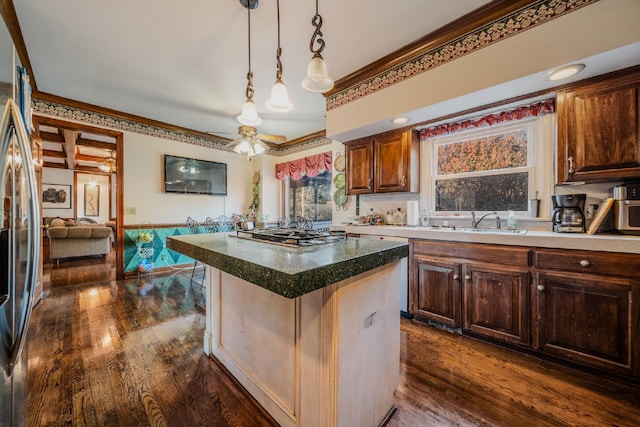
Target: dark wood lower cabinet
[(496, 302), (586, 319), (579, 306), (437, 298)]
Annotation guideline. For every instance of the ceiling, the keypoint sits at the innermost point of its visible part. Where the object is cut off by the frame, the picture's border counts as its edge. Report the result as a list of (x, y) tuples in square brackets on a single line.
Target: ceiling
[(67, 147), (187, 66)]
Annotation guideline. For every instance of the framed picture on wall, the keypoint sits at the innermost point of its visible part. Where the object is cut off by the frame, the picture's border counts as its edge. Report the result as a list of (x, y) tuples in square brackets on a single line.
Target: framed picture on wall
[(91, 200), (56, 196)]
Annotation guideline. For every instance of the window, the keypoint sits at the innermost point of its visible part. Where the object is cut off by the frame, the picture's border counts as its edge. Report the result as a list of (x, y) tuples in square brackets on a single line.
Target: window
[(309, 197), (497, 168)]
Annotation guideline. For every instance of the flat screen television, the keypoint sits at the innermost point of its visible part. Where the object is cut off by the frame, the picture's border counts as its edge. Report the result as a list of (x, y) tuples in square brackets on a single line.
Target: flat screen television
[(192, 176)]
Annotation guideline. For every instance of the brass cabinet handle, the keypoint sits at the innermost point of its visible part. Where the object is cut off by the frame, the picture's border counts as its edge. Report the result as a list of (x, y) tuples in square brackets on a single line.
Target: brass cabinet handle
[(540, 287), (585, 263), (571, 169), (404, 181), (467, 277), (369, 183)]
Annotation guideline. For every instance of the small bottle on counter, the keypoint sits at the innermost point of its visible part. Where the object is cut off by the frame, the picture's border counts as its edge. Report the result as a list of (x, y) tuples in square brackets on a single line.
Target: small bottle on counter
[(399, 218), (424, 218), (512, 222), (390, 219)]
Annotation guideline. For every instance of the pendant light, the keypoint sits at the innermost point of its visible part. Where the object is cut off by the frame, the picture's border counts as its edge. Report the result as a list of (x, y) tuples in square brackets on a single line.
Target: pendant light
[(279, 100), (318, 79), (249, 115)]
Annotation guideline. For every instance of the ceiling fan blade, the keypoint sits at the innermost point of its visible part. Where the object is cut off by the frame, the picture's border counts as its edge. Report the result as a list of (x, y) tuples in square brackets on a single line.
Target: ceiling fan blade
[(272, 138)]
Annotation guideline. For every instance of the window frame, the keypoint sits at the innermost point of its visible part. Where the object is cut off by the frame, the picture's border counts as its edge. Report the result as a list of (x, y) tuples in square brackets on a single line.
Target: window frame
[(286, 207), (540, 162)]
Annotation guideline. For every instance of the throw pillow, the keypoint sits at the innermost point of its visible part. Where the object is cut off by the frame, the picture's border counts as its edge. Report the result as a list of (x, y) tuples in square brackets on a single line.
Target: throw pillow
[(57, 222)]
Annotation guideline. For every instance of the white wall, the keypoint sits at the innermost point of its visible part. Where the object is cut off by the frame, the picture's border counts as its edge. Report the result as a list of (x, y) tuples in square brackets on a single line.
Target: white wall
[(600, 27), (143, 182), (143, 189)]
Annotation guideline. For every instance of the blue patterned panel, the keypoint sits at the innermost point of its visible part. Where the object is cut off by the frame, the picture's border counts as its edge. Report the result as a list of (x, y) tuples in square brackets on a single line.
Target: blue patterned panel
[(162, 256)]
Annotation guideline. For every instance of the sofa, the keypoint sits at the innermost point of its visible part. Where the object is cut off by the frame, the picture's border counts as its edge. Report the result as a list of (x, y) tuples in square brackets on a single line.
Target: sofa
[(78, 241)]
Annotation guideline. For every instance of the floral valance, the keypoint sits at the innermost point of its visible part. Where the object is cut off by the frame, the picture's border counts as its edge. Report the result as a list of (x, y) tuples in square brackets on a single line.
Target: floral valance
[(532, 110), (307, 166)]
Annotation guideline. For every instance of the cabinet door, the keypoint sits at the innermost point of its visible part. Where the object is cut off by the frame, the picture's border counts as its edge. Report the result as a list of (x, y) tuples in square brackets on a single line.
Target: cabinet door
[(598, 135), (434, 294), (391, 163), (588, 319), (396, 162), (496, 302), (359, 159)]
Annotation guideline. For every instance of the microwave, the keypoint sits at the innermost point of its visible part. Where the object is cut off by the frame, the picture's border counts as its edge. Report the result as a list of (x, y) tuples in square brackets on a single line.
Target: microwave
[(627, 216)]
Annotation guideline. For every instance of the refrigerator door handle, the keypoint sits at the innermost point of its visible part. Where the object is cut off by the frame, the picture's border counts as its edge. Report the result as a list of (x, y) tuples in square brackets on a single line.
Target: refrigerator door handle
[(12, 122)]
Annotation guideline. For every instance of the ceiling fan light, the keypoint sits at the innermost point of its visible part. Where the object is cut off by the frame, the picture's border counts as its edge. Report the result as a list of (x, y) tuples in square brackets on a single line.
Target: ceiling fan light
[(249, 115), (318, 79), (279, 99), (258, 147), (242, 148)]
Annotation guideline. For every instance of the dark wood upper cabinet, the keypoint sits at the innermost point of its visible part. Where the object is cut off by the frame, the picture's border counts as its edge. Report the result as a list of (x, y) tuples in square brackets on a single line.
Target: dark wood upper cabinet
[(384, 163), (359, 159), (598, 130)]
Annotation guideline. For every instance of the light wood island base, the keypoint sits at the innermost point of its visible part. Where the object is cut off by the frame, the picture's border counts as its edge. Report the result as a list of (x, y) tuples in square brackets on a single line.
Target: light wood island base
[(327, 358)]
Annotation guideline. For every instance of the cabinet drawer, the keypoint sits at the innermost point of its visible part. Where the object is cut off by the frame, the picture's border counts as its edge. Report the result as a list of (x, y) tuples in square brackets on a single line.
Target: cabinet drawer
[(617, 264), (511, 255)]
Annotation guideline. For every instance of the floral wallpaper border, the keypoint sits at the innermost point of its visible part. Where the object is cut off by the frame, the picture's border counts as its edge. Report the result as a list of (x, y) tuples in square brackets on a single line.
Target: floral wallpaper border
[(530, 17), (73, 113)]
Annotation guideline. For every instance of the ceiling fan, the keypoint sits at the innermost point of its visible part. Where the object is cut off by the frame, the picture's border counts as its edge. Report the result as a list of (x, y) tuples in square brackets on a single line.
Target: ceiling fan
[(250, 142)]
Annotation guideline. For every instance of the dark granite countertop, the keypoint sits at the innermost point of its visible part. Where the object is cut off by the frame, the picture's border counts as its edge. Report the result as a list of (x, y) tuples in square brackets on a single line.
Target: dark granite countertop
[(289, 272)]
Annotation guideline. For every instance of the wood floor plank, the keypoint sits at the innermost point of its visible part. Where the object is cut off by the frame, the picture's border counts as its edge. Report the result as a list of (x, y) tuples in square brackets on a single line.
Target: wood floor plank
[(129, 353)]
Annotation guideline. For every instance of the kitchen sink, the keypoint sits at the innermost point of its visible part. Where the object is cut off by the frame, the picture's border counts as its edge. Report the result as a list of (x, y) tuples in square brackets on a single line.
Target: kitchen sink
[(497, 230)]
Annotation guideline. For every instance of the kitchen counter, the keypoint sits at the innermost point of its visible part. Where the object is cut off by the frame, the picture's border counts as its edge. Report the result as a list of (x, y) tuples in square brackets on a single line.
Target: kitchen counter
[(532, 238), (288, 271), (312, 333)]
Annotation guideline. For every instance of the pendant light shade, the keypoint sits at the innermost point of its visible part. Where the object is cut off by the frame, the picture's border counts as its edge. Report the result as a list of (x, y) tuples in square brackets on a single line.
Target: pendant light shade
[(279, 100), (318, 79), (249, 115)]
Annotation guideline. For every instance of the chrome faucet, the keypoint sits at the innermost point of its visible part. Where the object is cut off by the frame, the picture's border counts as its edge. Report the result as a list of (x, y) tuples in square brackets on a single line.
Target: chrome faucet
[(475, 224)]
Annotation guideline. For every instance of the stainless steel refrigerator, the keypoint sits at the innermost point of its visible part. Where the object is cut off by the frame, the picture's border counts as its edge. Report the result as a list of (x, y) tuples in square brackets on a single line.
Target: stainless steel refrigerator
[(19, 259)]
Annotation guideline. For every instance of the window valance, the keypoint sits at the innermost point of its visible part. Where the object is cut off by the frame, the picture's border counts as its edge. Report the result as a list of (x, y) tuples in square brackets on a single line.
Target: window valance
[(307, 166), (532, 110)]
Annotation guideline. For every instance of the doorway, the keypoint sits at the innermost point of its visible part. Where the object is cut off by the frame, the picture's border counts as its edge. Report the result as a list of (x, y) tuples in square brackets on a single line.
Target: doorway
[(88, 161)]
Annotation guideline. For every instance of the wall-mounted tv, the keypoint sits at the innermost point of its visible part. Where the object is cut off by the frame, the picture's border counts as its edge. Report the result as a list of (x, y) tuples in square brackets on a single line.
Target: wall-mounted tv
[(192, 176)]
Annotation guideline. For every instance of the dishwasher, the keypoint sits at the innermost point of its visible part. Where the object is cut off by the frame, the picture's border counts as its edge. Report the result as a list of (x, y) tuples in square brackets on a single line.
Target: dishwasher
[(404, 262)]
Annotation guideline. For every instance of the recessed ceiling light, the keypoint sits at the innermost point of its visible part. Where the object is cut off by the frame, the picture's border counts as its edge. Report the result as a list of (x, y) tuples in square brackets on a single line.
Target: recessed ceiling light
[(565, 72), (400, 120)]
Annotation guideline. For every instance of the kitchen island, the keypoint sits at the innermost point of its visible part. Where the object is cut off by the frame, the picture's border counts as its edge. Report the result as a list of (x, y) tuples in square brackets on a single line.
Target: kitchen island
[(313, 333)]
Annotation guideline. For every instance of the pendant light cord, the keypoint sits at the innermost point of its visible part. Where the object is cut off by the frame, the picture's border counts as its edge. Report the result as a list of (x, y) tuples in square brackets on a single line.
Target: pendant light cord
[(316, 21), (249, 91), (279, 51)]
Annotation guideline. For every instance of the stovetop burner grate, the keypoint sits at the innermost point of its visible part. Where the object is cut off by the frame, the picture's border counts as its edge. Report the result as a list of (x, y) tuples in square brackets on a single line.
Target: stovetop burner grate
[(292, 236)]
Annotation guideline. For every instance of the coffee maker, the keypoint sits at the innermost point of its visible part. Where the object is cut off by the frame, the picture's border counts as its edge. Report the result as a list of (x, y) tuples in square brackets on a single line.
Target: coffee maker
[(568, 213)]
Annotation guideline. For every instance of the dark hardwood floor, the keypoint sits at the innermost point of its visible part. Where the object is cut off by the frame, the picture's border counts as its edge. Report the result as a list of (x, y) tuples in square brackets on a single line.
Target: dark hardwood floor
[(129, 353)]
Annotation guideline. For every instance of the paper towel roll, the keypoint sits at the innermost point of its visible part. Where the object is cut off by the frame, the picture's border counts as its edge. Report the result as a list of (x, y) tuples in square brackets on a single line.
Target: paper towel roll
[(413, 213)]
